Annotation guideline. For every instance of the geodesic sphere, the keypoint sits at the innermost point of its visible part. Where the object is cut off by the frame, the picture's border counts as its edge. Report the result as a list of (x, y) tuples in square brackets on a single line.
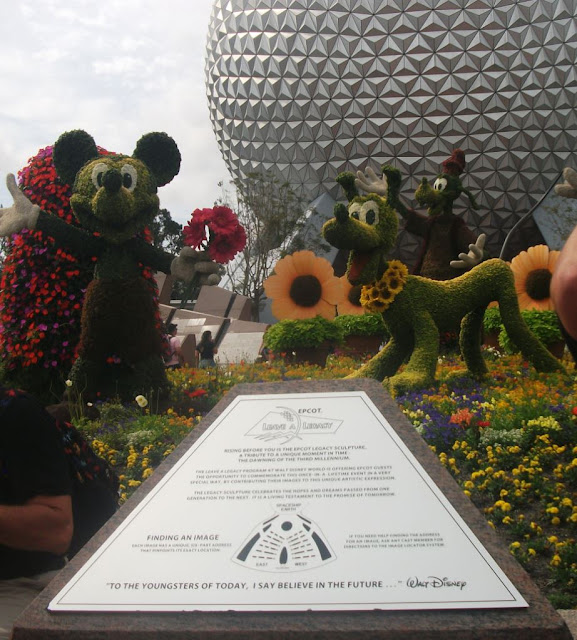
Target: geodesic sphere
[(310, 88)]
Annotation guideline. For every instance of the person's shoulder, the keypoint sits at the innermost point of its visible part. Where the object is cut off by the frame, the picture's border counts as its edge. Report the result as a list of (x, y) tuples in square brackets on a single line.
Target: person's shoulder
[(14, 398)]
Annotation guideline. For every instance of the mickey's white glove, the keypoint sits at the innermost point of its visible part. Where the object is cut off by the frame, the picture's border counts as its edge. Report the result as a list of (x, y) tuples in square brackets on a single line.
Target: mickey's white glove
[(21, 215), (190, 262), (473, 258), (569, 188), (371, 183)]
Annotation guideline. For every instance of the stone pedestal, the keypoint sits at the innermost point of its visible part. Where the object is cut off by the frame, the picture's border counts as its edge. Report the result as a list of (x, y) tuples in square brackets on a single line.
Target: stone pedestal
[(538, 621)]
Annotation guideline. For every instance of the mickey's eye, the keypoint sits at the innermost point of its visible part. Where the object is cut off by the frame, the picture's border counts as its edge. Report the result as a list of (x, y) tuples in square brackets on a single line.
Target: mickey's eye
[(129, 177), (98, 173), (440, 184), (354, 210), (370, 213)]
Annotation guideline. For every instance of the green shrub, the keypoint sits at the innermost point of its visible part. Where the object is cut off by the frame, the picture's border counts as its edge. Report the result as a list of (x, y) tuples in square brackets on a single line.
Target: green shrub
[(492, 320), (368, 324), (543, 324), (287, 335)]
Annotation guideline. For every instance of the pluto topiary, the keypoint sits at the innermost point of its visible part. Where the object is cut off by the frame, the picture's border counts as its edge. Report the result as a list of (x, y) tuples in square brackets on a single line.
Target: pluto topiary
[(416, 309)]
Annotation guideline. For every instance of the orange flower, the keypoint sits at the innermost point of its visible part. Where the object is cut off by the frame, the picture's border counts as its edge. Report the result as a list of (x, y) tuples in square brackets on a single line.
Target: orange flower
[(351, 302), (303, 286), (533, 270)]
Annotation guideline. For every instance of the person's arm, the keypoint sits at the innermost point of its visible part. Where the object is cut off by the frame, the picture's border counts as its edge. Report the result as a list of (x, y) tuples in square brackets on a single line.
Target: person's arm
[(38, 514), (564, 285), (43, 523)]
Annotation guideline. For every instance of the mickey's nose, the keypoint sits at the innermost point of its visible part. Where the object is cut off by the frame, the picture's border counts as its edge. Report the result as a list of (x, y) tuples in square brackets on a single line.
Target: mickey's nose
[(112, 180)]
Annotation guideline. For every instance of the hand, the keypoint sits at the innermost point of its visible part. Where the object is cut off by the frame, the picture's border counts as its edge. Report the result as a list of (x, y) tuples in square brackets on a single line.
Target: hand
[(473, 258), (371, 183), (21, 215), (569, 188), (191, 263)]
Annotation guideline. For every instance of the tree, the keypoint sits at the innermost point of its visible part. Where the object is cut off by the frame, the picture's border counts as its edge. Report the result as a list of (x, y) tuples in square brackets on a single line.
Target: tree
[(166, 232), (276, 223)]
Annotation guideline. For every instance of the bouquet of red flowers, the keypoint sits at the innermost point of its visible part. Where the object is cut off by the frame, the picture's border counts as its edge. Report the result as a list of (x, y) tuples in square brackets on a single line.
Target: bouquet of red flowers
[(217, 231)]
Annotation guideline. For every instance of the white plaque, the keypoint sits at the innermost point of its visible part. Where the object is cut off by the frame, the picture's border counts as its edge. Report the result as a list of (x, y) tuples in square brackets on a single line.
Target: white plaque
[(292, 502)]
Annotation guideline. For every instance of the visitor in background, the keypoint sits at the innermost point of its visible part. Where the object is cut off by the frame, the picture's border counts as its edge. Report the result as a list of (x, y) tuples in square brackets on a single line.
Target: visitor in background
[(206, 350), (36, 522), (564, 292), (175, 359)]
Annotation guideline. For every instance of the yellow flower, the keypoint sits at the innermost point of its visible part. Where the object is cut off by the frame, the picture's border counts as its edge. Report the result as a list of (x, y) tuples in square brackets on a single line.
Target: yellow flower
[(141, 401), (303, 286), (533, 270), (552, 510), (377, 296), (351, 300), (556, 561)]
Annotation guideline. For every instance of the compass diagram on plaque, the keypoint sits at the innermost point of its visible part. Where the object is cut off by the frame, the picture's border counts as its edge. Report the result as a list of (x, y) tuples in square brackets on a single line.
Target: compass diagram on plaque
[(284, 424), (287, 542)]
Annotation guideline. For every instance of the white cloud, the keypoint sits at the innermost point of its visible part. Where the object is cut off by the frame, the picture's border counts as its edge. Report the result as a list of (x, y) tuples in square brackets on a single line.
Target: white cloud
[(117, 71)]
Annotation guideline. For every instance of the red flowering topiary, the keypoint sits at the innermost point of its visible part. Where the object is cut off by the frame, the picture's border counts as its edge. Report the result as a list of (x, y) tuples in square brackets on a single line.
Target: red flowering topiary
[(216, 230), (42, 290)]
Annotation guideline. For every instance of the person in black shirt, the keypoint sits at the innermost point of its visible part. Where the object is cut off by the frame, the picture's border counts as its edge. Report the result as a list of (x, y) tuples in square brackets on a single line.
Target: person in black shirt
[(206, 349), (35, 505)]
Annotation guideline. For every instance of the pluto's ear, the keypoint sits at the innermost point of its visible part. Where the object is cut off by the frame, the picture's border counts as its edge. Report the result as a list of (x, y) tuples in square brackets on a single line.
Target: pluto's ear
[(160, 154), (347, 182), (72, 151)]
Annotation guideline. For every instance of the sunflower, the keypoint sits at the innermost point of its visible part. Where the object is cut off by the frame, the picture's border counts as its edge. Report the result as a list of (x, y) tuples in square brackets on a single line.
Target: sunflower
[(350, 305), (303, 286), (533, 270), (377, 296)]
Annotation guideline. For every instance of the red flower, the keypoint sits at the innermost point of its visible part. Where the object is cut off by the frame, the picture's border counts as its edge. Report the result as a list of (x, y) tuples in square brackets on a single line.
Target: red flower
[(574, 411), (196, 393), (195, 230), (217, 230)]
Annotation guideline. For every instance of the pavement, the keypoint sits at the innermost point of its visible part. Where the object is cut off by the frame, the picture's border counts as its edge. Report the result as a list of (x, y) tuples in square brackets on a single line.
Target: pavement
[(570, 617)]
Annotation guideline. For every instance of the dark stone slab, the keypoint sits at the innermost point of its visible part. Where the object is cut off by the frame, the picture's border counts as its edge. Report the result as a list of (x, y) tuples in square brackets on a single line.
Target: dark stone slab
[(221, 302), (537, 622), (188, 349)]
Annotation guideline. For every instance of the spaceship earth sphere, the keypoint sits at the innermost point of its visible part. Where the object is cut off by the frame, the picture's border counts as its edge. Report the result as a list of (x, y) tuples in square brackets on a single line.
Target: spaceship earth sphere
[(309, 88)]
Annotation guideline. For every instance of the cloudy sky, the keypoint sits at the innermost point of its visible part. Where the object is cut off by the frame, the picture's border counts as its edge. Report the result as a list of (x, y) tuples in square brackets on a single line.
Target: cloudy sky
[(117, 70)]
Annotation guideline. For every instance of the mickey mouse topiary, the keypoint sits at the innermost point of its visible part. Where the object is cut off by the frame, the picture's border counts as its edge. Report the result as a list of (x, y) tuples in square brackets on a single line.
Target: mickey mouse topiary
[(114, 199)]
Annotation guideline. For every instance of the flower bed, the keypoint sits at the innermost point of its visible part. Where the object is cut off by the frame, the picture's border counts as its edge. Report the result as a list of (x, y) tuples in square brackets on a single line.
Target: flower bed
[(510, 443)]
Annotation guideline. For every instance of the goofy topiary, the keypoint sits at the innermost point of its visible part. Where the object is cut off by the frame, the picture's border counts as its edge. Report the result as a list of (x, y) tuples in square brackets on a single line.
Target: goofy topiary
[(114, 199), (416, 309)]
